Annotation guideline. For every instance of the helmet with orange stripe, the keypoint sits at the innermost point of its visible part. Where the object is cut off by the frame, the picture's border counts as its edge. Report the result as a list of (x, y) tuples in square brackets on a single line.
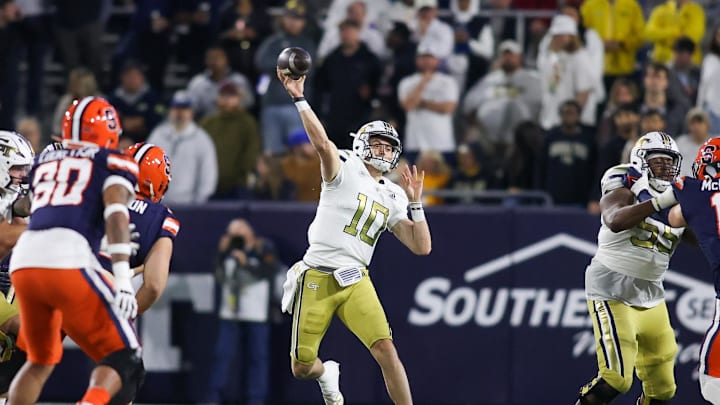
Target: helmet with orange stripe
[(707, 161), (91, 120), (154, 176)]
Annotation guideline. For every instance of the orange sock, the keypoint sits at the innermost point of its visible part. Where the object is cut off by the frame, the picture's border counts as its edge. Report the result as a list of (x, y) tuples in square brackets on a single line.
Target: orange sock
[(95, 396)]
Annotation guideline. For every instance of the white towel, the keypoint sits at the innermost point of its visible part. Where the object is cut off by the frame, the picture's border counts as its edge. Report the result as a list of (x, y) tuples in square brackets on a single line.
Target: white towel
[(290, 285)]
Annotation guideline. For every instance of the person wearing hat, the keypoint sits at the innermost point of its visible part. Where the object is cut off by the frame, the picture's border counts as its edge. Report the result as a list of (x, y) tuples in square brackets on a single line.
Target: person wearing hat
[(139, 106), (429, 99), (300, 166), (195, 171), (564, 74), (698, 125), (369, 34), (278, 116), (431, 32), (504, 98), (234, 132)]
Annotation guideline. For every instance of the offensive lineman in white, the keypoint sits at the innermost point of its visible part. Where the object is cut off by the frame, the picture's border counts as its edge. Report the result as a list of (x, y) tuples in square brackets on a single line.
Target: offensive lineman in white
[(356, 205)]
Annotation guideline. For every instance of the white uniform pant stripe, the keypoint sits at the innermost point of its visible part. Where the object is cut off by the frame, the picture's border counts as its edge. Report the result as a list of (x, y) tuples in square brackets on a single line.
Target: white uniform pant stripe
[(125, 327), (709, 337), (296, 316)]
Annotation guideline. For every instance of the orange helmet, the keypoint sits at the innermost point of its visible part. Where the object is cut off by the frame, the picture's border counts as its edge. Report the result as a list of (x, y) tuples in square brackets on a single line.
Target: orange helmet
[(92, 120), (154, 175), (707, 161)]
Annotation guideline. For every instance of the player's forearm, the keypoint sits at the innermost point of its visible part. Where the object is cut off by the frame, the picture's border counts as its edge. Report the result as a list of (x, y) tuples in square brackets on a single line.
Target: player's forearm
[(146, 296), (422, 241), (9, 234), (116, 229), (624, 218)]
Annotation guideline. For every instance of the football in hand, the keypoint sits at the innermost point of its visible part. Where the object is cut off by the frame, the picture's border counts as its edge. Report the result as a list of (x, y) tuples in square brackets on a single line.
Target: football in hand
[(294, 62)]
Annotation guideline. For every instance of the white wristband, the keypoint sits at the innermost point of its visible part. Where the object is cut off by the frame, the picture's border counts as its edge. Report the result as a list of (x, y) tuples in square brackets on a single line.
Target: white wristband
[(122, 270), (115, 207), (302, 105), (119, 249), (417, 213)]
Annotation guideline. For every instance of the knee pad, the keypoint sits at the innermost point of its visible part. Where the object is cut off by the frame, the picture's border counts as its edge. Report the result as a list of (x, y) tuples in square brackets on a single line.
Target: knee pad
[(597, 392), (9, 368), (129, 365)]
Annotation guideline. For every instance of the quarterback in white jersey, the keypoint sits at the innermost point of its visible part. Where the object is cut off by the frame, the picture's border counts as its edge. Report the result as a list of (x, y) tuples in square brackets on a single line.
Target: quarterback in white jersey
[(356, 205), (623, 282)]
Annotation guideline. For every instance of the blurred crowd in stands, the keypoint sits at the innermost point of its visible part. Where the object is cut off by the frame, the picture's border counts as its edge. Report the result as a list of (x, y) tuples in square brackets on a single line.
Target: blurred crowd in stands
[(510, 95)]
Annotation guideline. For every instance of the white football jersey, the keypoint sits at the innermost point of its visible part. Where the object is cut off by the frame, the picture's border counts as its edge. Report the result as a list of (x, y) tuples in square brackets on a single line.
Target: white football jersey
[(642, 252), (7, 198), (353, 211)]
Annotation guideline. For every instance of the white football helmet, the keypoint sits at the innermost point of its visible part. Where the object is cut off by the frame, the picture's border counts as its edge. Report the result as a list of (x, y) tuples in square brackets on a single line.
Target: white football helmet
[(361, 144), (15, 150), (646, 148)]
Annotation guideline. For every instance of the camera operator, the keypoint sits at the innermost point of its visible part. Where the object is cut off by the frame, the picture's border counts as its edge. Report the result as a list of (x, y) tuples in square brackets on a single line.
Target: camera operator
[(247, 269)]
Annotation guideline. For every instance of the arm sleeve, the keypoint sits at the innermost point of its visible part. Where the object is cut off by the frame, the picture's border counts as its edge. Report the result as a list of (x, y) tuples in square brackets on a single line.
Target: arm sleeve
[(170, 225), (399, 211)]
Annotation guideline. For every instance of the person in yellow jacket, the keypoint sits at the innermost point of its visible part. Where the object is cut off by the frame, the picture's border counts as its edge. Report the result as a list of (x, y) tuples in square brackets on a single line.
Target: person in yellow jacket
[(620, 24), (672, 20)]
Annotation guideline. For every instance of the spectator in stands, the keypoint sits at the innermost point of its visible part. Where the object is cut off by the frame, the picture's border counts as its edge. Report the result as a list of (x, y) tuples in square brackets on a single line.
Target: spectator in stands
[(401, 64), (657, 97), (196, 171), (234, 132), (521, 167), (140, 108), (652, 120), (279, 117), (79, 31), (376, 10), (698, 125), (437, 175), (247, 271), (81, 83), (430, 98), (620, 24), (672, 20), (301, 165), (622, 92), (196, 25), (29, 127), (590, 42), (503, 27), (569, 154), (709, 88), (34, 30), (369, 34), (269, 183), (147, 40), (685, 74), (242, 28), (400, 12), (504, 98), (565, 74), (471, 176), (617, 150), (9, 38), (474, 42), (351, 75), (203, 87), (430, 32)]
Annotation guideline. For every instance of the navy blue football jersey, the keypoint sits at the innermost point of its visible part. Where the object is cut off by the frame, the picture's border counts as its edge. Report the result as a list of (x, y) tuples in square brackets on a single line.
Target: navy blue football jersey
[(700, 202), (152, 221), (67, 189)]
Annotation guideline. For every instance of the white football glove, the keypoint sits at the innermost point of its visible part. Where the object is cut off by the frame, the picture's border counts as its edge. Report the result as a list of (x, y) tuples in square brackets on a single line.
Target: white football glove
[(666, 199), (125, 303), (640, 184)]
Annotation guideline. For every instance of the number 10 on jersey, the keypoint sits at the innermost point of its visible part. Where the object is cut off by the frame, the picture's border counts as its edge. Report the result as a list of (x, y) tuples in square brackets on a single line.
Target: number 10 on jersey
[(375, 208)]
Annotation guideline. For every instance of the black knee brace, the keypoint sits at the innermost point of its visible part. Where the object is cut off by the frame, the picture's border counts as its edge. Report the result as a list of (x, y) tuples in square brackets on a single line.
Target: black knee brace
[(129, 365), (9, 368), (598, 393)]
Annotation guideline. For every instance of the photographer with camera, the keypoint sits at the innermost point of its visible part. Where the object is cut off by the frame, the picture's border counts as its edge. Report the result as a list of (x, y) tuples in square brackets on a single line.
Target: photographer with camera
[(247, 273)]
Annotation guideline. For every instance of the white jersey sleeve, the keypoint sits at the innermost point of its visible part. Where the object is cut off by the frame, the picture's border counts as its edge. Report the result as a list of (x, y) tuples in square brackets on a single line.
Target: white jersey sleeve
[(613, 178), (353, 212)]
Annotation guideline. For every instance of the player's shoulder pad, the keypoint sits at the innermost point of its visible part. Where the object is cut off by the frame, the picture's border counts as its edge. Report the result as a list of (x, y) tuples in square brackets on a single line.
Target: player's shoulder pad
[(680, 183), (345, 155), (613, 178), (397, 193)]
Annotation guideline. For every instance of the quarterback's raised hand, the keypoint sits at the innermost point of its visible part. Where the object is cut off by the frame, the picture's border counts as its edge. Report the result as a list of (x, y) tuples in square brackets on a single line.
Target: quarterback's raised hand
[(296, 88), (412, 183)]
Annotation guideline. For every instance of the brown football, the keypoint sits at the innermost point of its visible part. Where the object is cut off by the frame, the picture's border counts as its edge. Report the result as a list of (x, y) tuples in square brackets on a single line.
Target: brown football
[(294, 62)]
